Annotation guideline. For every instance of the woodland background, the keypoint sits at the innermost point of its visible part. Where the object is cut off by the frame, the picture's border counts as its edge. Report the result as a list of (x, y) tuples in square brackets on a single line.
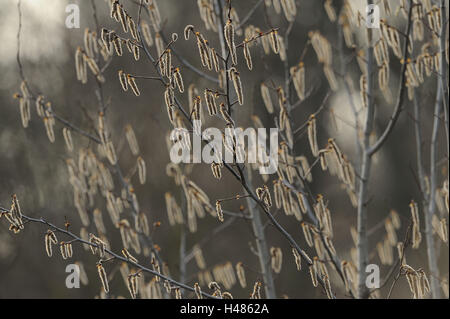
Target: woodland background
[(35, 170)]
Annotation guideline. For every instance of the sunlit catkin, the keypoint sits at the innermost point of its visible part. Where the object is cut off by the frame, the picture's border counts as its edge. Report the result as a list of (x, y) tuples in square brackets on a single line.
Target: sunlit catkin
[(219, 211), (274, 41), (229, 38), (50, 239), (312, 135), (133, 286), (210, 102), (103, 277), (236, 78), (297, 258), (178, 80), (132, 83), (247, 55), (198, 291)]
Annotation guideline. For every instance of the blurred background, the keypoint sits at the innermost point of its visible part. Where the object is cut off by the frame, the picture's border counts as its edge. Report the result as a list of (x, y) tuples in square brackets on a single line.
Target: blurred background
[(35, 169)]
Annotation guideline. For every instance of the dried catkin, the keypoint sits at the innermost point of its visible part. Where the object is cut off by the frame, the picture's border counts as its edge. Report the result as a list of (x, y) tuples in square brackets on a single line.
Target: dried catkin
[(307, 234), (132, 286), (297, 258), (240, 271), (247, 55), (327, 283), (178, 80), (198, 256), (298, 78), (274, 41), (147, 33), (236, 78), (219, 211), (142, 171), (103, 277), (187, 30), (50, 239), (416, 235), (68, 139), (123, 80), (132, 83), (198, 291), (63, 250), (215, 168), (225, 115), (215, 60), (229, 38), (136, 52), (210, 102), (276, 259), (329, 9), (49, 123), (131, 139), (256, 294), (312, 135), (313, 273), (265, 94)]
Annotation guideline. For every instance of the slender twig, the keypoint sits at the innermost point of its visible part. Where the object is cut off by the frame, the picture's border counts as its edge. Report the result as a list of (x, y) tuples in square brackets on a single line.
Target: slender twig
[(401, 94), (110, 252)]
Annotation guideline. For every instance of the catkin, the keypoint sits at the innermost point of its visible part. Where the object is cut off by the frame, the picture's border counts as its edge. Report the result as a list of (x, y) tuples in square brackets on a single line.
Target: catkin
[(229, 38), (132, 83), (198, 291), (312, 135), (416, 235), (49, 123), (265, 94), (141, 170), (131, 139), (133, 286), (256, 294), (50, 239), (103, 277), (276, 259), (236, 78), (298, 78), (241, 274), (307, 234), (274, 41), (178, 80), (247, 55), (219, 211), (313, 273), (123, 80), (297, 258), (68, 139), (210, 102)]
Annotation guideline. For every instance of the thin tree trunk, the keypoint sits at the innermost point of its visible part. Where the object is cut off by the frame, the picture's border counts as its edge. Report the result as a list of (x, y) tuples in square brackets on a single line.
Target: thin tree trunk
[(363, 242), (431, 248), (261, 245)]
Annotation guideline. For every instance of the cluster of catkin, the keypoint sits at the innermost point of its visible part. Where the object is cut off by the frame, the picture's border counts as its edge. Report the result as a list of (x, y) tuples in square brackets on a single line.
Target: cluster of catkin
[(43, 110), (14, 216)]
